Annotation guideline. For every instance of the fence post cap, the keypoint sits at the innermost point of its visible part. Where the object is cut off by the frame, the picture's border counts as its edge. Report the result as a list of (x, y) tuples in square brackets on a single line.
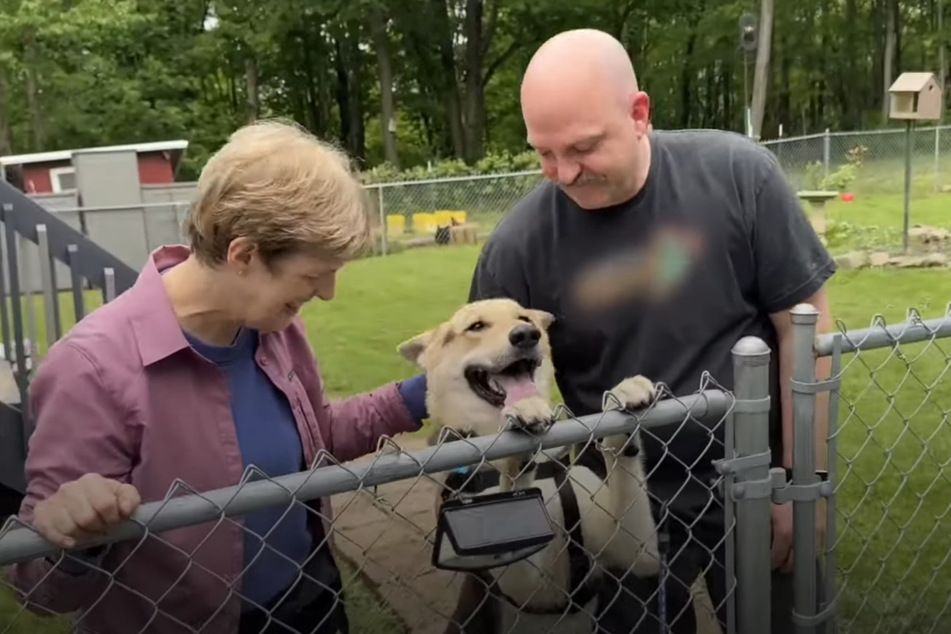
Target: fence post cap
[(750, 346), (804, 314)]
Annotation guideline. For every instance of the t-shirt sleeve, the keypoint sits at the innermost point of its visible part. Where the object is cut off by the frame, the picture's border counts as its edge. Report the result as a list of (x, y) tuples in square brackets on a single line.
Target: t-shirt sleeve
[(791, 262)]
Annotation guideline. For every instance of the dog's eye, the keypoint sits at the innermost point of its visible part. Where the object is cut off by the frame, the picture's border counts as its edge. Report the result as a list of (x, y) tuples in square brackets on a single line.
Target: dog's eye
[(476, 326), (525, 319)]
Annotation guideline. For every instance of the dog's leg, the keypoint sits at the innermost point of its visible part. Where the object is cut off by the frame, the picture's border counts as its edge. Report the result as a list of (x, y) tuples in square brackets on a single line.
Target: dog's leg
[(477, 609), (533, 415), (628, 500)]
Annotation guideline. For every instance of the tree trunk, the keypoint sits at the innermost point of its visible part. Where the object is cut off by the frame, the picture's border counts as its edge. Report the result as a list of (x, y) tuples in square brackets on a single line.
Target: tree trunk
[(686, 80), (6, 143), (33, 100), (942, 57), (381, 42), (474, 112), (252, 95), (447, 63), (888, 57), (761, 70)]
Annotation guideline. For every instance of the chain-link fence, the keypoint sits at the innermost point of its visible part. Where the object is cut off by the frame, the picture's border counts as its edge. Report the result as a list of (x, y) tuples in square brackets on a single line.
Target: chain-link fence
[(868, 161), (889, 441), (883, 562), (868, 164), (446, 210), (575, 538)]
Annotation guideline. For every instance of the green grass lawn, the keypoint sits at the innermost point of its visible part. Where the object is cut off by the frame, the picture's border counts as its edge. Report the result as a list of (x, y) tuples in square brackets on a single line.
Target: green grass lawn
[(892, 535), (875, 221)]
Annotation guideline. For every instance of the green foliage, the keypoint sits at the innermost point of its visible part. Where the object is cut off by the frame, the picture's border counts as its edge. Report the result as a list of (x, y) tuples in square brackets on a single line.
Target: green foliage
[(842, 177), (842, 236), (492, 163), (79, 73)]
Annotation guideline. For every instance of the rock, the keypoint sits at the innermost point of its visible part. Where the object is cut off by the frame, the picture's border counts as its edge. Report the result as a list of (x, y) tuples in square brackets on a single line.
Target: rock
[(918, 261), (929, 238), (852, 260), (879, 258)]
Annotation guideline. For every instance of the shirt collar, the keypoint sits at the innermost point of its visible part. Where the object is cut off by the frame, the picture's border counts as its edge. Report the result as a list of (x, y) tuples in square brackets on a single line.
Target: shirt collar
[(156, 329)]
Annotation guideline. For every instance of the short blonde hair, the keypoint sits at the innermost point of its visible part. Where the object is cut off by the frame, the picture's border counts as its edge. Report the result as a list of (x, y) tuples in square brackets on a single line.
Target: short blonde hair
[(283, 188)]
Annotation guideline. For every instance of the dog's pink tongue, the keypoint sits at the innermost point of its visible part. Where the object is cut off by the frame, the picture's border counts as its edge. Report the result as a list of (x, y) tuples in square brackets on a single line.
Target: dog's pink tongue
[(517, 388)]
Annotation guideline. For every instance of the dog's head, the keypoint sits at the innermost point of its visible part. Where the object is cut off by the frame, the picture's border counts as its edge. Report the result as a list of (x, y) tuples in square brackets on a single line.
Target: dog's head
[(489, 353)]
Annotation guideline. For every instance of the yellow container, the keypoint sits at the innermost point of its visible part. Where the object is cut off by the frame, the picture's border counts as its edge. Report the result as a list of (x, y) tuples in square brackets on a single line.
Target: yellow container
[(424, 222), (459, 216), (443, 218), (395, 223)]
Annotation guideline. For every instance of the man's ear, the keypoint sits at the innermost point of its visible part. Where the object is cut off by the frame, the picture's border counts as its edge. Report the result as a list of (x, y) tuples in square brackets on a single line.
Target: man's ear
[(412, 349), (544, 319)]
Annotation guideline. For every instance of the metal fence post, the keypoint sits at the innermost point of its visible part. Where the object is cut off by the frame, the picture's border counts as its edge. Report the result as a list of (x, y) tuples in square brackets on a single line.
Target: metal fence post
[(805, 481), (752, 489), (826, 152), (383, 228)]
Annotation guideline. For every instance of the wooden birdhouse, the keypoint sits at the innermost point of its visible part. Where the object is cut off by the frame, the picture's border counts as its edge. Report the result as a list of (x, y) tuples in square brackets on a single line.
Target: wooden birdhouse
[(916, 96)]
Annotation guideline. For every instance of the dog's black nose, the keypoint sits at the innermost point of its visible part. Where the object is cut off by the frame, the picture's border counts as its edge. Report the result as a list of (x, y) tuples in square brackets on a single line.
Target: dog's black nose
[(524, 336)]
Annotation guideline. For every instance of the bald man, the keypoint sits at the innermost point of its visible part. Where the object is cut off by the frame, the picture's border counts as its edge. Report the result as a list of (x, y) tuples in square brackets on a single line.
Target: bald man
[(656, 251)]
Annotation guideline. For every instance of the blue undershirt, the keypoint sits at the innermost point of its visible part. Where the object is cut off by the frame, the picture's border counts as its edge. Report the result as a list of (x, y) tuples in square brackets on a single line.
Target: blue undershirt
[(269, 440)]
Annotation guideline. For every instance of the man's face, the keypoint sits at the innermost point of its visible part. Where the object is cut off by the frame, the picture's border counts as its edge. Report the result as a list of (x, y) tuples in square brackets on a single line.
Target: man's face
[(591, 148)]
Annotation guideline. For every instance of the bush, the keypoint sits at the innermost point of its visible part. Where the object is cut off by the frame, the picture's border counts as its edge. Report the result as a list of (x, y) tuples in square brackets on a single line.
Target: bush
[(495, 163)]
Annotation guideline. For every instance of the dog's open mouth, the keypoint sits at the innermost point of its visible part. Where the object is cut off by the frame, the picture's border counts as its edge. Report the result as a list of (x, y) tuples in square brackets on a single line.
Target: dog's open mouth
[(503, 387)]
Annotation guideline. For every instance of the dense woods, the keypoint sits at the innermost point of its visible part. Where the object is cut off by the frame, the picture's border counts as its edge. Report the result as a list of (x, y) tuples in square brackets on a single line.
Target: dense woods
[(411, 81)]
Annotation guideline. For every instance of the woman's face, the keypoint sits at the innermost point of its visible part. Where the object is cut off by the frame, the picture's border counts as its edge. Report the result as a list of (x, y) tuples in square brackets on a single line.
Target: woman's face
[(268, 298)]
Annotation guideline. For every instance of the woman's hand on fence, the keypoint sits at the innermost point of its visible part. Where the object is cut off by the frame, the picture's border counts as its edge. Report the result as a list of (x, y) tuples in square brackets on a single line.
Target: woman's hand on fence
[(84, 509), (782, 523)]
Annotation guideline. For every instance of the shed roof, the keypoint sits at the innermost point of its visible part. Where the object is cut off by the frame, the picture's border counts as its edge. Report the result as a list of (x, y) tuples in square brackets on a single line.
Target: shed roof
[(67, 155)]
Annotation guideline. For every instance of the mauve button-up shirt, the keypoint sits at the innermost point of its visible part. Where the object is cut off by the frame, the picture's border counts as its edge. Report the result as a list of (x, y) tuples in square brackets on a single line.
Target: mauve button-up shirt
[(125, 396)]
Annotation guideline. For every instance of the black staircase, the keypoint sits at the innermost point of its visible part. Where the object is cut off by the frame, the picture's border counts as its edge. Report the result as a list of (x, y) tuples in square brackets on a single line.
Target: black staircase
[(90, 267)]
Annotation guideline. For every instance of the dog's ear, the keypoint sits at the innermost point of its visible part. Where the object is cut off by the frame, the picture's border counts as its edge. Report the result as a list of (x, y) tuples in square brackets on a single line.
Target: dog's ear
[(412, 349), (544, 319)]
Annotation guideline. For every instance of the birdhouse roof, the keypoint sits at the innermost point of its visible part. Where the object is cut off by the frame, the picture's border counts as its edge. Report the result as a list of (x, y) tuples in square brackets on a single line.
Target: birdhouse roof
[(911, 82)]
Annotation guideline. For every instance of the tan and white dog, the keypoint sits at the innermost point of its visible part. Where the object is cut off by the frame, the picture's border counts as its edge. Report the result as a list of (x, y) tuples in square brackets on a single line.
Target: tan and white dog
[(491, 363)]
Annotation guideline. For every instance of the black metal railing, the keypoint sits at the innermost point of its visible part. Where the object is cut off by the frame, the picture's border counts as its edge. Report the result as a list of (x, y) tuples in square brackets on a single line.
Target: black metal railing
[(35, 236)]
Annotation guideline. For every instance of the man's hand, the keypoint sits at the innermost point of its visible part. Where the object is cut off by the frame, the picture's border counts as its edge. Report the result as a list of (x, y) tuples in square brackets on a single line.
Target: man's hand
[(781, 516)]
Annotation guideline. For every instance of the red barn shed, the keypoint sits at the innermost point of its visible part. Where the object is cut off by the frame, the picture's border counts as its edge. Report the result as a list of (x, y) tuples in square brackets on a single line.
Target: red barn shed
[(53, 172)]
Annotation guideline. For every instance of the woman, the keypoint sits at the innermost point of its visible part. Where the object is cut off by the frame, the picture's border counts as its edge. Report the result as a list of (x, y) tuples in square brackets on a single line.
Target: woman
[(197, 372)]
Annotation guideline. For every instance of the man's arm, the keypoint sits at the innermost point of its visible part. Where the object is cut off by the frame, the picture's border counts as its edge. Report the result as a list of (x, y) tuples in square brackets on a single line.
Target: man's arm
[(782, 321), (792, 267)]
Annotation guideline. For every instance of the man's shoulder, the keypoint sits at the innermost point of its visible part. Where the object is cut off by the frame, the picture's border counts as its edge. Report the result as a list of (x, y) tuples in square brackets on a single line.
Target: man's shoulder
[(718, 148)]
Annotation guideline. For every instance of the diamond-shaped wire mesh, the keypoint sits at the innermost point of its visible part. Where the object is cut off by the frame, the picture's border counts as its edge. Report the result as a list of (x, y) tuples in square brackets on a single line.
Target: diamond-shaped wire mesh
[(449, 209), (162, 577), (866, 162), (892, 440)]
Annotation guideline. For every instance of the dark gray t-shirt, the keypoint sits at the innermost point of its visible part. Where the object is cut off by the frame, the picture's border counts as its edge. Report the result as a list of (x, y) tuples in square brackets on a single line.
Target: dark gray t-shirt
[(758, 255)]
